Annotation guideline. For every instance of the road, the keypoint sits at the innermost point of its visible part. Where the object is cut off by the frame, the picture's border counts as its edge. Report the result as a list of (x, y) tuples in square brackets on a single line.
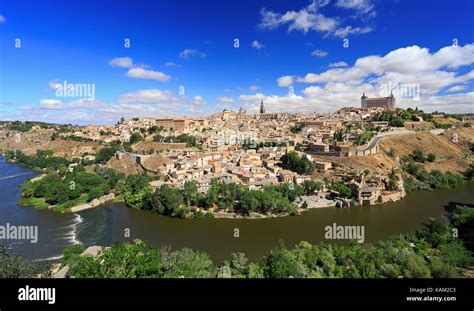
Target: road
[(377, 138)]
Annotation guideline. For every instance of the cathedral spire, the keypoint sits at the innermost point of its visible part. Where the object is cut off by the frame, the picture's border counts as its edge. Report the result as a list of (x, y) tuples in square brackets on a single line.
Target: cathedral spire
[(262, 107)]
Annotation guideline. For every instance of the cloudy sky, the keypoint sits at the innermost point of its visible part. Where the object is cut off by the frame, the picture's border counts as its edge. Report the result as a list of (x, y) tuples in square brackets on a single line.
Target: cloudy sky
[(92, 62)]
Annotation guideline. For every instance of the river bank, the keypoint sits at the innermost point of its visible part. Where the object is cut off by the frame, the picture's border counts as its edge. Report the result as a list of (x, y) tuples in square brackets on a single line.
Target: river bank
[(322, 199), (71, 191), (116, 223)]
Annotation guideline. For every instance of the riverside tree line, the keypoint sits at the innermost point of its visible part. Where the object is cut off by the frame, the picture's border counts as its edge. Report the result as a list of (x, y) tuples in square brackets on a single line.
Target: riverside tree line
[(432, 252)]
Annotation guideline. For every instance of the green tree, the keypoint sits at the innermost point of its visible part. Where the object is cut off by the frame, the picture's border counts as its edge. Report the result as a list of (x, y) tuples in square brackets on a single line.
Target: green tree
[(281, 263), (186, 263), (414, 266), (95, 193), (296, 129), (239, 264), (171, 199), (418, 155), (469, 173), (431, 157), (136, 183), (248, 203), (392, 180), (57, 193), (190, 192), (13, 266), (293, 162), (129, 260), (343, 190), (440, 269), (72, 252), (455, 254), (135, 138), (104, 155), (312, 186)]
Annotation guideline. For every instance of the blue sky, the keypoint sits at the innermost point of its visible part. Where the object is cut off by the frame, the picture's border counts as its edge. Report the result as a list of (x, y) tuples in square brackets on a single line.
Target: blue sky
[(183, 59)]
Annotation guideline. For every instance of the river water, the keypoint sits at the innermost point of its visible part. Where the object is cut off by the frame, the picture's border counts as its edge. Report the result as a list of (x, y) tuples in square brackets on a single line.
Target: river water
[(117, 223), (55, 231)]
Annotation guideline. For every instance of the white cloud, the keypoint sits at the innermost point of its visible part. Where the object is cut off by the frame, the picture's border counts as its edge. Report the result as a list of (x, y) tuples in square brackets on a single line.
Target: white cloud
[(257, 45), (225, 99), (138, 72), (338, 64), (142, 103), (187, 53), (456, 88), (304, 20), (250, 97), (171, 64), (54, 85), (413, 66), (153, 96), (319, 53), (51, 104), (362, 6), (454, 56), (86, 103), (310, 18), (2, 19), (333, 75), (349, 30), (254, 88), (141, 73), (288, 103), (285, 81), (334, 96), (453, 103), (448, 70), (199, 100), (122, 62)]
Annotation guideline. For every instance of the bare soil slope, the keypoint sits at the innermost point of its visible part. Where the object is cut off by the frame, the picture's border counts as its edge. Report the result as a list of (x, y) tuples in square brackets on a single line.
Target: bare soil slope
[(450, 156), (66, 148), (124, 165)]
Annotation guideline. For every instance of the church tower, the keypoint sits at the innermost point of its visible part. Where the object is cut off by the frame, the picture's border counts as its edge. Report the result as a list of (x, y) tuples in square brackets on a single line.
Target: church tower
[(262, 107), (391, 101), (362, 100)]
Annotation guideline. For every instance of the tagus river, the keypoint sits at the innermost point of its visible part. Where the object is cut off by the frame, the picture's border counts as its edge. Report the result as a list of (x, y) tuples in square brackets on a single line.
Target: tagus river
[(108, 224)]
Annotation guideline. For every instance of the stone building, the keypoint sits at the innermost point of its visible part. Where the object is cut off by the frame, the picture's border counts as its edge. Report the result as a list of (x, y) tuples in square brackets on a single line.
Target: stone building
[(378, 102)]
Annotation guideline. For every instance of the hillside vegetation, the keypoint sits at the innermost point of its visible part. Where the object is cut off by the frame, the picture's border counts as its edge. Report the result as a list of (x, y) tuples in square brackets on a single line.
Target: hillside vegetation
[(450, 156)]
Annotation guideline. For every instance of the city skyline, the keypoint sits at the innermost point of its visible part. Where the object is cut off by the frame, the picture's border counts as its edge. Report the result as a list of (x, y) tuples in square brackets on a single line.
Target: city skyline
[(304, 56)]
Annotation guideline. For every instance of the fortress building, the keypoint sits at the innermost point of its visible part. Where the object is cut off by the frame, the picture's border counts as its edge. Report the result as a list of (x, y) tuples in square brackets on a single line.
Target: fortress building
[(378, 102)]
